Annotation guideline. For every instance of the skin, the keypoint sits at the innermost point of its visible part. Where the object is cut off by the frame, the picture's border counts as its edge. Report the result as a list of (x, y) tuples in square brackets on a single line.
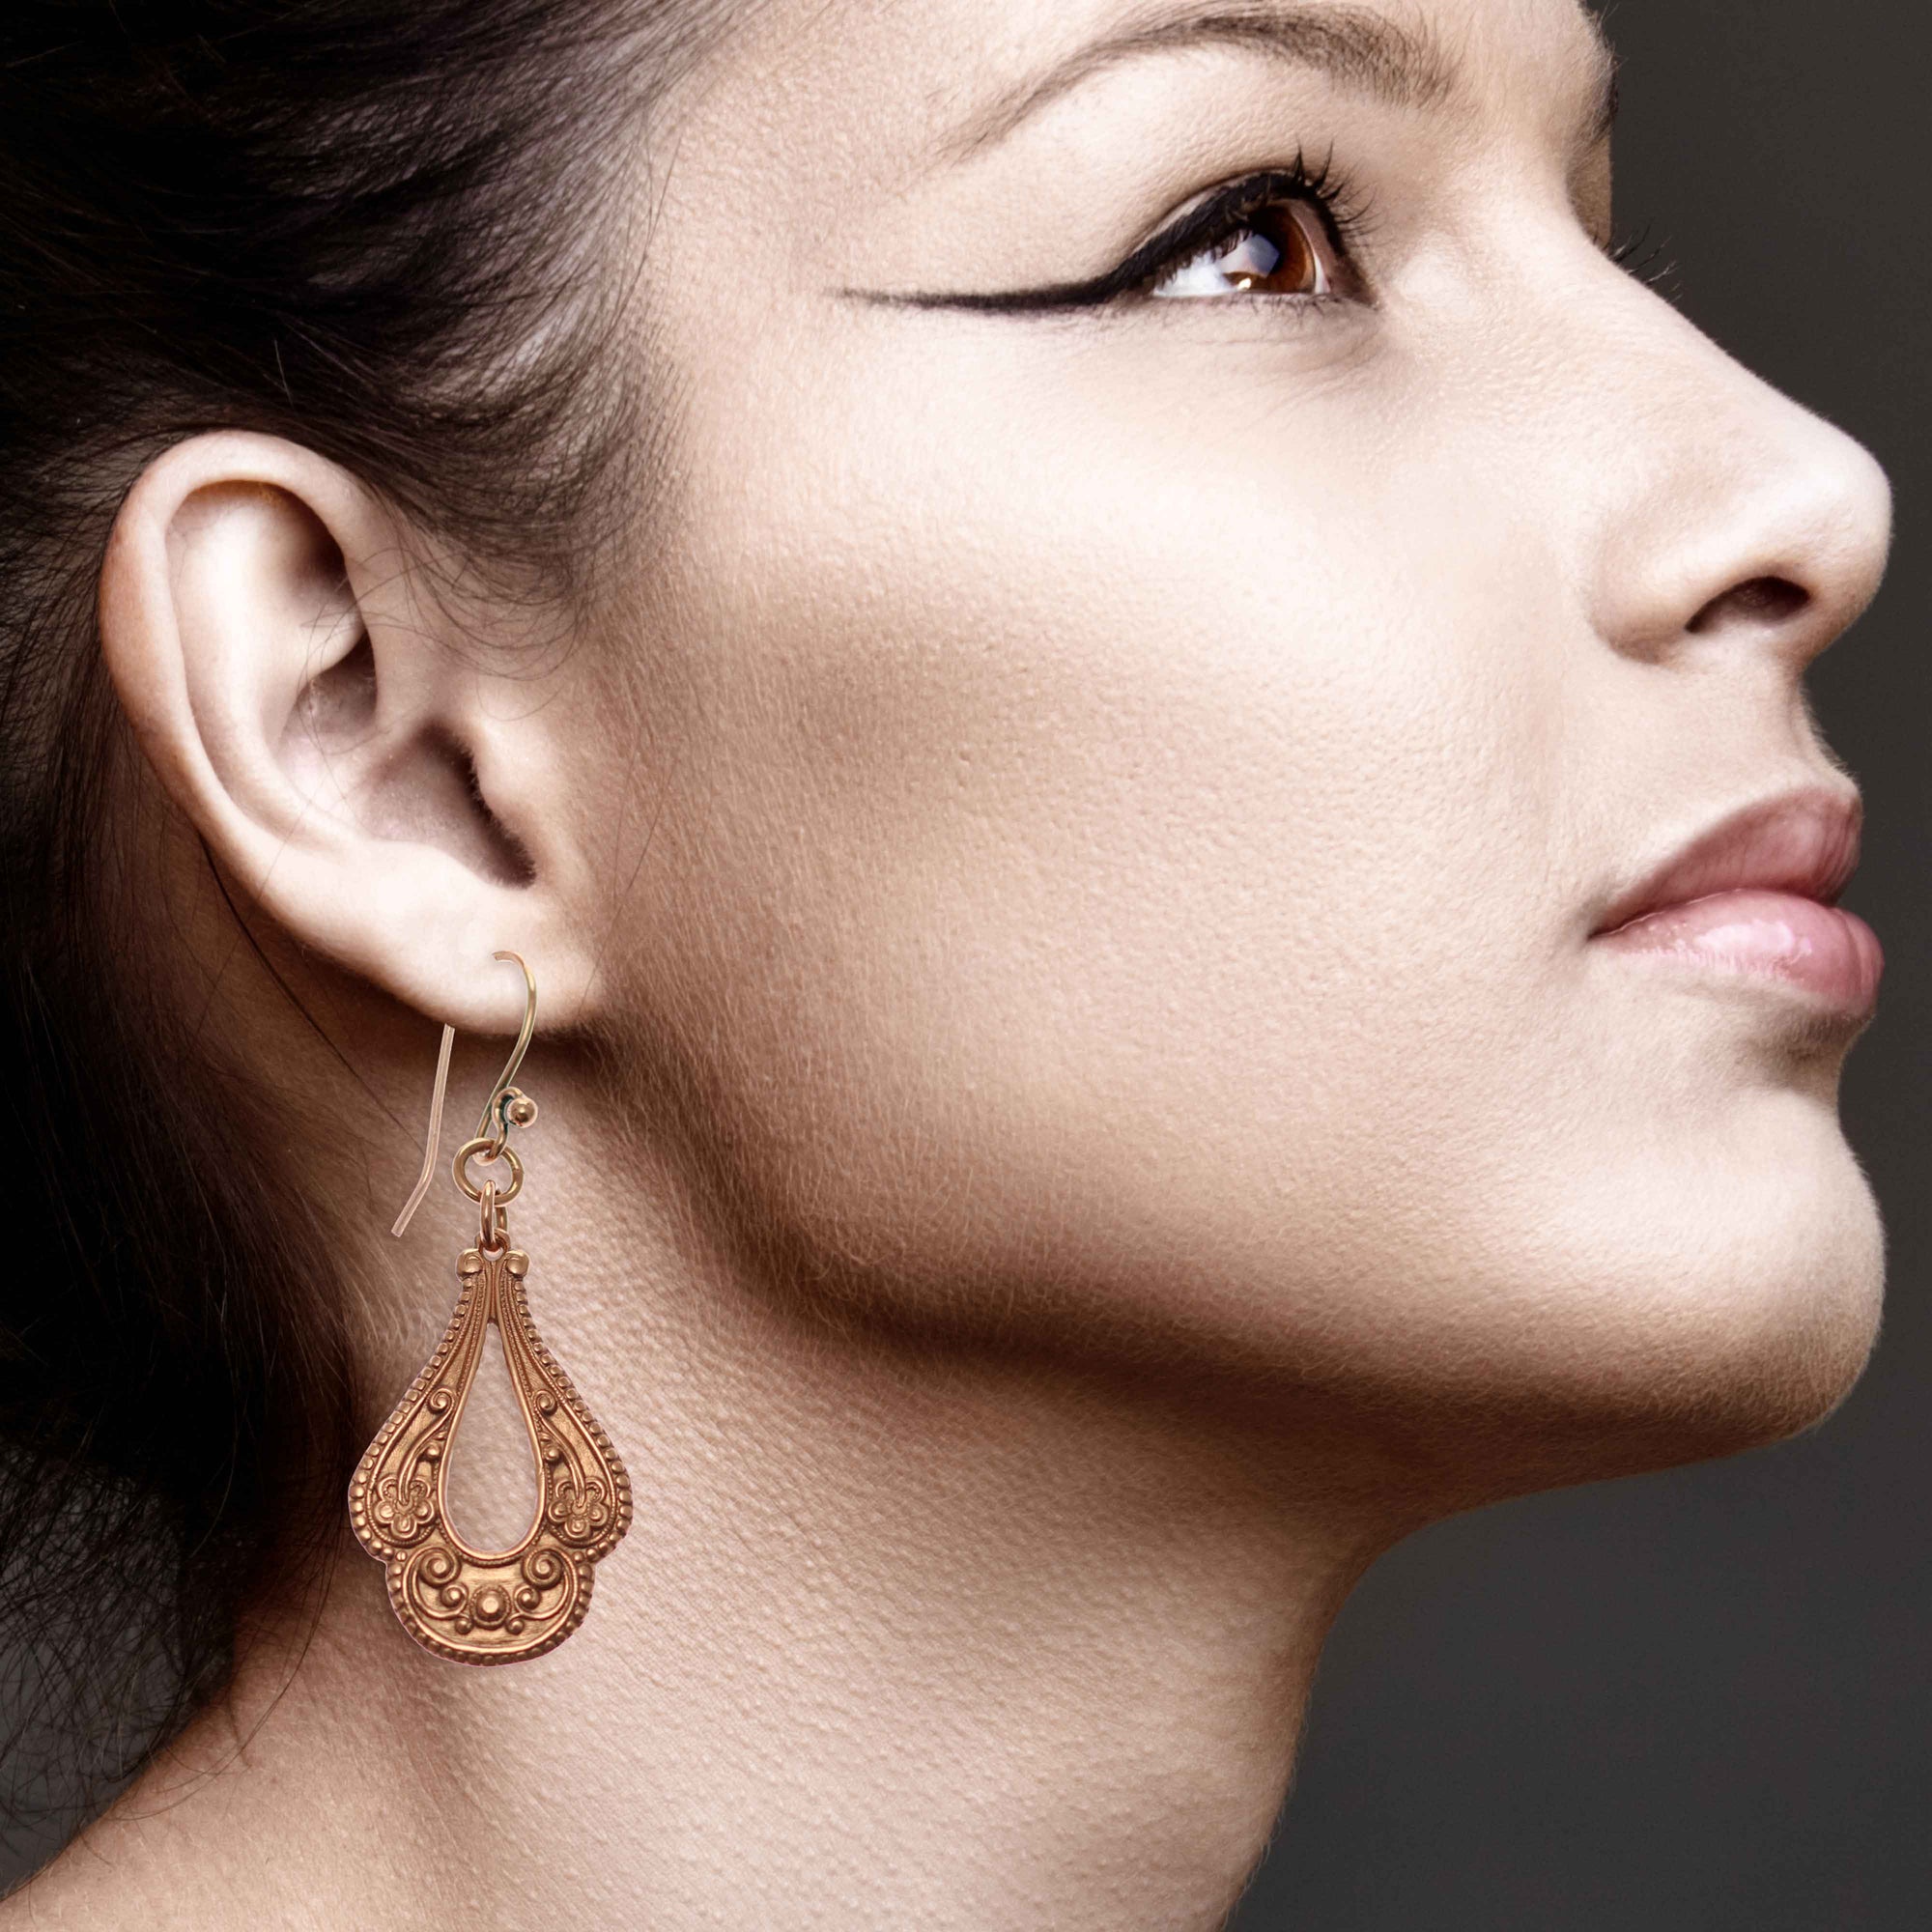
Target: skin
[(1077, 1104)]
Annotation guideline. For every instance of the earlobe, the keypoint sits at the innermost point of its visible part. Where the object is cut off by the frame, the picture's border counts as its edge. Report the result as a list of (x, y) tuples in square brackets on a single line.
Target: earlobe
[(301, 708)]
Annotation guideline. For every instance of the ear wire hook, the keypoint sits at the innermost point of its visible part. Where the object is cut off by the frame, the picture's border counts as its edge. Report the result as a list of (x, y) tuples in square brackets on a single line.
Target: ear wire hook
[(497, 1091)]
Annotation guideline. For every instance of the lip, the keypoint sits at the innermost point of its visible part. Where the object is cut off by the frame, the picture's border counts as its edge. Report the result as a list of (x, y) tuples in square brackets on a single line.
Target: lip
[(1756, 893)]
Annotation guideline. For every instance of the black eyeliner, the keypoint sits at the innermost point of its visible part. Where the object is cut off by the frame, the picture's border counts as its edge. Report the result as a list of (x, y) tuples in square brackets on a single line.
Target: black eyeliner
[(1222, 210)]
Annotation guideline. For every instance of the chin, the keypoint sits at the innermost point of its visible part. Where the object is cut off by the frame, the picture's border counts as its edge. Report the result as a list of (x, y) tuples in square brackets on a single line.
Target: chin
[(1753, 1327)]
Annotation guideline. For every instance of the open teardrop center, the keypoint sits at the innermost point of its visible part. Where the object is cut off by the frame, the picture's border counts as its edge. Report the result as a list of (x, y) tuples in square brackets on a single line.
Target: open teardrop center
[(492, 1479)]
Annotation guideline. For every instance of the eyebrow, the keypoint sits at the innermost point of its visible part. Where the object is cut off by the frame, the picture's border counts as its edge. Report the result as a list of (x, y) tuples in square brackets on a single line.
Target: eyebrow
[(1352, 45)]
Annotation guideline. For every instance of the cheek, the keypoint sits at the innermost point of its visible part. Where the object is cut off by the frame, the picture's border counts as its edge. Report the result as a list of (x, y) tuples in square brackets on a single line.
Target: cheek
[(1097, 843), (1130, 880)]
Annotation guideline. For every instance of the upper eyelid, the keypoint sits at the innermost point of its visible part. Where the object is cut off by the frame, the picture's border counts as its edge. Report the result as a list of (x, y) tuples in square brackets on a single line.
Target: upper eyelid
[(1220, 214), (1232, 222), (1213, 211), (1348, 222)]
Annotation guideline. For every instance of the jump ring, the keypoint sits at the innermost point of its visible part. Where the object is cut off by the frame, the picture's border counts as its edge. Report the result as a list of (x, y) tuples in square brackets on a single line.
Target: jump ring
[(471, 1188)]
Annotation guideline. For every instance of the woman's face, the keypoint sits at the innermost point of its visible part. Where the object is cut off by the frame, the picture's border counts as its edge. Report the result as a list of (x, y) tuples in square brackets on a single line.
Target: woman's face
[(1135, 759)]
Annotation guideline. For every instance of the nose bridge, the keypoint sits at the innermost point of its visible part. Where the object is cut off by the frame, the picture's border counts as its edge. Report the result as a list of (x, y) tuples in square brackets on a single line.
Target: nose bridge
[(1719, 506)]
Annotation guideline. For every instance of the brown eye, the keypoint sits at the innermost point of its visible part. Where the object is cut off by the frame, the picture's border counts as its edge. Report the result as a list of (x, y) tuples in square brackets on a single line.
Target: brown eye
[(1276, 249)]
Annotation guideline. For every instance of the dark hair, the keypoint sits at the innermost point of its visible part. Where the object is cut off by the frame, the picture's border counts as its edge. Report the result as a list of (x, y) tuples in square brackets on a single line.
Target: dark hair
[(345, 223)]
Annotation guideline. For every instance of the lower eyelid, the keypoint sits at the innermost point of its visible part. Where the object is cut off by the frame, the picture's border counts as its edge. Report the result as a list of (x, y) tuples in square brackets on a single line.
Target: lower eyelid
[(1302, 307)]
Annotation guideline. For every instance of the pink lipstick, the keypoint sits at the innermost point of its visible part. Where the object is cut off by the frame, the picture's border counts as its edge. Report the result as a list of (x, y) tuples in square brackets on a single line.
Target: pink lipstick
[(1757, 894)]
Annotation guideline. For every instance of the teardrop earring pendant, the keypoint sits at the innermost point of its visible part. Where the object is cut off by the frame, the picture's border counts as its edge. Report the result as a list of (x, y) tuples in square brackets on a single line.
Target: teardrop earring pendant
[(467, 1604)]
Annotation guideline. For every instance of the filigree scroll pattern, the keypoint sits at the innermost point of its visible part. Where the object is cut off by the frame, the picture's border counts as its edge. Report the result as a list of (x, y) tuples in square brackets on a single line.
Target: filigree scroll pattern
[(483, 1606)]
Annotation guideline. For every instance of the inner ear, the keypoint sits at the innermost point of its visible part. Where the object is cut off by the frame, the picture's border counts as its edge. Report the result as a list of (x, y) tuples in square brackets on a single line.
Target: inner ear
[(336, 709), (418, 783), (429, 791), (351, 748)]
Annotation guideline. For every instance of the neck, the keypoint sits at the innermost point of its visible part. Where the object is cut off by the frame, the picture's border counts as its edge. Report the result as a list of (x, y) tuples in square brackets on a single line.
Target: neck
[(896, 1638)]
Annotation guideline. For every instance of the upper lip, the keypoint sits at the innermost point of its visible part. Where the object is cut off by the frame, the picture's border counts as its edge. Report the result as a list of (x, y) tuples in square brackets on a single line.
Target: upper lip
[(1803, 842)]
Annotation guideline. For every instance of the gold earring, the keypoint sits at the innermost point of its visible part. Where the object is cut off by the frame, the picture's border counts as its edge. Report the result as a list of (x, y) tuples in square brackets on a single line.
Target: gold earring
[(472, 1605)]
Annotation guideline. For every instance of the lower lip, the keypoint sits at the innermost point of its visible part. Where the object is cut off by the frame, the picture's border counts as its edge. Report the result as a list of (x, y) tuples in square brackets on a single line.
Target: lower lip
[(1831, 954)]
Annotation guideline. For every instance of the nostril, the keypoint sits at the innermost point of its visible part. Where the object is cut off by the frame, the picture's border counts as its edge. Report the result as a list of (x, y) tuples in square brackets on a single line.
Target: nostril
[(1759, 601)]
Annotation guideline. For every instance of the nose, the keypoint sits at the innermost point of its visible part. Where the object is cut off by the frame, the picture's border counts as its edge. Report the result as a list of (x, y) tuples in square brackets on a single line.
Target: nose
[(1734, 517)]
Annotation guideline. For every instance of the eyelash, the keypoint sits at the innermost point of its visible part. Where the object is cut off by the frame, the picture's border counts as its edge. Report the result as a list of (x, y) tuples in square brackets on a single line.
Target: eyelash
[(1221, 217), (1224, 215), (1648, 269), (1217, 218)]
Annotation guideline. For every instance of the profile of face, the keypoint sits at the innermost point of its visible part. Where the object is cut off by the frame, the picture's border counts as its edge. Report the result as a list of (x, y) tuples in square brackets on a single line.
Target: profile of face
[(1190, 584)]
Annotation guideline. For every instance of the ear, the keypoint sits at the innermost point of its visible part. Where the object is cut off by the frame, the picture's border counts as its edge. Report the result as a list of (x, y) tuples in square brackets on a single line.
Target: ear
[(313, 717)]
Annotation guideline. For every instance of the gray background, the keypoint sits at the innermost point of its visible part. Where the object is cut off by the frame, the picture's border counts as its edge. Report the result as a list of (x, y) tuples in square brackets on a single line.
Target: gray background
[(1702, 1702)]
